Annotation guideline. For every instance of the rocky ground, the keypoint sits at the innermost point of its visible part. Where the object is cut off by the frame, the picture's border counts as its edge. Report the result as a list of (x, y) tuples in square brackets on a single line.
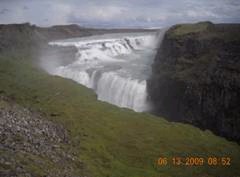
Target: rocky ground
[(27, 138)]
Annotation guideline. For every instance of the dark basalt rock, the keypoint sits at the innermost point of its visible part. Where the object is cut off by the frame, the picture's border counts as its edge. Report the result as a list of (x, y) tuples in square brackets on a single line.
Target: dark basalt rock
[(196, 77)]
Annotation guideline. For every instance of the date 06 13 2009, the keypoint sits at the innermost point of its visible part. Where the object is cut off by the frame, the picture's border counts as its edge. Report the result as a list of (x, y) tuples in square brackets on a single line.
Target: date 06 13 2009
[(194, 161)]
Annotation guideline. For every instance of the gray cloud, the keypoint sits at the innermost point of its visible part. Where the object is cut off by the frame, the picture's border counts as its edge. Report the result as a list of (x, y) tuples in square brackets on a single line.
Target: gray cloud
[(25, 8), (115, 13), (3, 11)]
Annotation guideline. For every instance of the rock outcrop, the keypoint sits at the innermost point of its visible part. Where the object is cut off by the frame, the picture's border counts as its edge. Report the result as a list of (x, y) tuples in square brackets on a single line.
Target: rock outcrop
[(31, 145), (196, 77)]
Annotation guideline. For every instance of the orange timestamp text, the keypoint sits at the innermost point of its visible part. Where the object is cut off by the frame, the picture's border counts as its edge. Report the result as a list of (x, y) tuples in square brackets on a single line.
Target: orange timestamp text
[(194, 161)]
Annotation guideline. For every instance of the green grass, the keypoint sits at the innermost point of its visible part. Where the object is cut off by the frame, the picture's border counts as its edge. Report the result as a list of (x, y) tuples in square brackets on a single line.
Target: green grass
[(111, 141), (183, 29), (205, 31)]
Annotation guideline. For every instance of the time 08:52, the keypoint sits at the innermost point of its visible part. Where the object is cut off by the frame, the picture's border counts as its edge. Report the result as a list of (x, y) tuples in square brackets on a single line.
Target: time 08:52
[(194, 161), (199, 161)]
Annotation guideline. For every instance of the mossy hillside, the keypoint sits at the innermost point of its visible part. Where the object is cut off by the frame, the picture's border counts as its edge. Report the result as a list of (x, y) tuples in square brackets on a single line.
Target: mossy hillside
[(111, 141)]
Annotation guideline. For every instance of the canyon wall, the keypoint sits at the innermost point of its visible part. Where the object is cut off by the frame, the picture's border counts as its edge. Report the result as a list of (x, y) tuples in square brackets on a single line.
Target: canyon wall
[(196, 77)]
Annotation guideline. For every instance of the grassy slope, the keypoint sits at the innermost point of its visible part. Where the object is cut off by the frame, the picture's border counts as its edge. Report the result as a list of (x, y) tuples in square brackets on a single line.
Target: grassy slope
[(111, 141), (190, 28)]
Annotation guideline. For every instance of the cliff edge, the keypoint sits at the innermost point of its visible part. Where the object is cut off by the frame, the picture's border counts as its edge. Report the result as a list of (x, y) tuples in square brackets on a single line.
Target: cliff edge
[(196, 77)]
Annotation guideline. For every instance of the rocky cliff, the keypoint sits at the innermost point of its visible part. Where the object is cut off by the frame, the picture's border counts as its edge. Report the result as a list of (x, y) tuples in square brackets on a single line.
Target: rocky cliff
[(196, 77)]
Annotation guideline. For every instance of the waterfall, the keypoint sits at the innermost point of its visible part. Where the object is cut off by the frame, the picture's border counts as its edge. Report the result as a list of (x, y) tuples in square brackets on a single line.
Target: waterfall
[(124, 92), (115, 66)]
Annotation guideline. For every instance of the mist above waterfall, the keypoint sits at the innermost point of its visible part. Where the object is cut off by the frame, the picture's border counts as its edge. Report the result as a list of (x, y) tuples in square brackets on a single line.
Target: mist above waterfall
[(115, 66)]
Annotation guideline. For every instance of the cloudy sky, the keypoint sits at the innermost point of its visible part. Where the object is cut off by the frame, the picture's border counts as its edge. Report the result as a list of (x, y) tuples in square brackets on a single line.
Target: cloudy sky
[(118, 13)]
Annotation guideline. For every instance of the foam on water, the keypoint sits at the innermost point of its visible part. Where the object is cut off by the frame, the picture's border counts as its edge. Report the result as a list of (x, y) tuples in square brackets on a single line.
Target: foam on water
[(115, 66)]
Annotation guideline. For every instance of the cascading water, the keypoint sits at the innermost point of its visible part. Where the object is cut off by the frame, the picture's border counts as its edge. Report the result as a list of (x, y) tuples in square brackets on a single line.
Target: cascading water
[(115, 66)]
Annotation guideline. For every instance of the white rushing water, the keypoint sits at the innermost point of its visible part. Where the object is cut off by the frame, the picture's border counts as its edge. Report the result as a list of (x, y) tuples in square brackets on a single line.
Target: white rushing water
[(115, 66)]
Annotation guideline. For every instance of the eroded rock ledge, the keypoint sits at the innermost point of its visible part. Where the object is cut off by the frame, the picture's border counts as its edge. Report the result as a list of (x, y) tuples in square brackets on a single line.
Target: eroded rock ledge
[(196, 77)]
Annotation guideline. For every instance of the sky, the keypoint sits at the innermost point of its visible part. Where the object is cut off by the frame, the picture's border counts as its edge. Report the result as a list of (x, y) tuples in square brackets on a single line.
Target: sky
[(118, 13)]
